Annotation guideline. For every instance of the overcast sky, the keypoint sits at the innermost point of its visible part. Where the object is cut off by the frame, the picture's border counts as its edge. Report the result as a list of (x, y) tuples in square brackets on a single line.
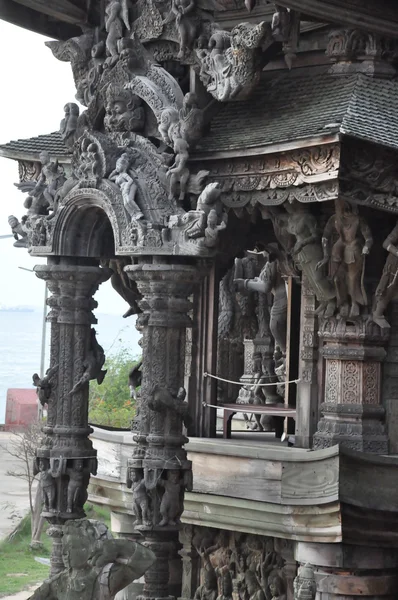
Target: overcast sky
[(34, 89)]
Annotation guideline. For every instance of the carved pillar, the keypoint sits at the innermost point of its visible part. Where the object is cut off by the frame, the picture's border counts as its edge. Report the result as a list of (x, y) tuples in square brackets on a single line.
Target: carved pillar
[(390, 381), (190, 563), (159, 461), (307, 407), (351, 413), (347, 572), (66, 457)]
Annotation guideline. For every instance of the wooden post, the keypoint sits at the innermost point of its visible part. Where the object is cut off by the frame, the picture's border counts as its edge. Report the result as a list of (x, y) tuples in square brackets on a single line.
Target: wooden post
[(292, 345)]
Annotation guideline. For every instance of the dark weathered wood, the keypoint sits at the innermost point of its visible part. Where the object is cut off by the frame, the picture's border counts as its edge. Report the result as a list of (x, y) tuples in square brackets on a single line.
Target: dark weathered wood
[(380, 17), (30, 19), (61, 10), (292, 346)]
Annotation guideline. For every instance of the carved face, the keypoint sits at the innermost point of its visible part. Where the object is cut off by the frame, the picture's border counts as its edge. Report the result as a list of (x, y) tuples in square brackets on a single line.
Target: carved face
[(275, 586), (122, 164), (76, 550), (78, 465), (135, 476), (119, 108), (212, 219), (44, 157)]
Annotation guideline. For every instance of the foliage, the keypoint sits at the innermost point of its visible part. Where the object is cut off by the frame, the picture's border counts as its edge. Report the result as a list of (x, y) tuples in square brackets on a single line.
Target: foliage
[(22, 447), (110, 403), (18, 568)]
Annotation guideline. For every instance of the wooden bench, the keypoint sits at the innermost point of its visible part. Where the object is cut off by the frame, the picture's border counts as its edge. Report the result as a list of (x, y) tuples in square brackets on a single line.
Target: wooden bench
[(278, 411)]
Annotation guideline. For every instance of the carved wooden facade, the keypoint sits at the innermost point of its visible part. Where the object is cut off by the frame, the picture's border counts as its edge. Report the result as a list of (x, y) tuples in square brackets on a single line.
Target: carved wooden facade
[(234, 172)]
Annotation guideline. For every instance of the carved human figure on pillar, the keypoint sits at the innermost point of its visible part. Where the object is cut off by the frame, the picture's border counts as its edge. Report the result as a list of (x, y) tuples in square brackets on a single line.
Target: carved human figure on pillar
[(96, 566), (304, 585), (19, 232), (388, 283), (163, 400), (136, 482), (307, 251), (170, 506), (47, 484), (347, 257), (225, 582), (78, 480)]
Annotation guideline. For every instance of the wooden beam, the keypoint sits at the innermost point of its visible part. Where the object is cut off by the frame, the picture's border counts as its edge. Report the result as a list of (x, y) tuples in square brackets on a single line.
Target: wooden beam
[(378, 17), (61, 10), (32, 20)]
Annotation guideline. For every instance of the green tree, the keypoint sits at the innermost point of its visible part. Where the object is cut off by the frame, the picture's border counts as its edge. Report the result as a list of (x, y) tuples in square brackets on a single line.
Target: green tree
[(110, 403)]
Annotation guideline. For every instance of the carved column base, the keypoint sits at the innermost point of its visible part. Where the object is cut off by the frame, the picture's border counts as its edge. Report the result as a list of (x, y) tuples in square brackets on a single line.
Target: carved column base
[(346, 572), (352, 414)]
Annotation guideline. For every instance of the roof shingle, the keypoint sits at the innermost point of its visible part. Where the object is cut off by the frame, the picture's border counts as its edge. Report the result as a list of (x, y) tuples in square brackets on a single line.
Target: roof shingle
[(31, 147)]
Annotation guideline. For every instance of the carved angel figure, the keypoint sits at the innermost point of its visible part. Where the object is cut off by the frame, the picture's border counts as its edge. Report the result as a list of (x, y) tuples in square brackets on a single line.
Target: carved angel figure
[(116, 16), (127, 186), (96, 565), (44, 385), (51, 175), (92, 365)]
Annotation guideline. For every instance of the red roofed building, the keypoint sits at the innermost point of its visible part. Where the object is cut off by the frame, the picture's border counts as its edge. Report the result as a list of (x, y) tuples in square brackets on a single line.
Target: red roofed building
[(21, 408)]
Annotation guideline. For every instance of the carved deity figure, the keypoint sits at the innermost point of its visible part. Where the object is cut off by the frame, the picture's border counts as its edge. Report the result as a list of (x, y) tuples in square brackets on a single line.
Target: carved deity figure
[(51, 177), (127, 187), (136, 482), (225, 582), (270, 280), (96, 566), (43, 385), (307, 250), (253, 587), (388, 283), (18, 231), (304, 585), (47, 484), (183, 13), (68, 124), (116, 16), (181, 130), (170, 506), (92, 365), (209, 589), (346, 257)]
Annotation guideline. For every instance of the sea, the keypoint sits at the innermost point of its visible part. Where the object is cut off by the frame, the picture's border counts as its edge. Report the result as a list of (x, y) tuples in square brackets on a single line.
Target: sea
[(21, 343)]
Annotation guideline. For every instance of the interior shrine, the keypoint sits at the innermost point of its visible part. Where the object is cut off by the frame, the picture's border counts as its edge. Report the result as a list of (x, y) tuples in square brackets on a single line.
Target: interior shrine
[(231, 167)]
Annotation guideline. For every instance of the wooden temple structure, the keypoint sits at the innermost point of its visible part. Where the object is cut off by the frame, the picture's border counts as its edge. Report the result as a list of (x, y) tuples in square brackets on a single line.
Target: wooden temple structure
[(234, 173)]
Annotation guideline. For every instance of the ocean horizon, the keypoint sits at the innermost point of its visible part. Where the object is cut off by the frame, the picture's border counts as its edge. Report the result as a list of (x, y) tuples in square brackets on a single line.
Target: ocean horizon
[(20, 345)]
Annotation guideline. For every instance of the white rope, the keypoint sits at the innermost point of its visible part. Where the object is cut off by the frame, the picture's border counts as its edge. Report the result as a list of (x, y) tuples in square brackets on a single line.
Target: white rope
[(251, 408), (251, 383)]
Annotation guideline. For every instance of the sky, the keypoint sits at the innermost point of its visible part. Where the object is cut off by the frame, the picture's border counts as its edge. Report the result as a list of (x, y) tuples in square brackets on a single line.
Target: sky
[(35, 86)]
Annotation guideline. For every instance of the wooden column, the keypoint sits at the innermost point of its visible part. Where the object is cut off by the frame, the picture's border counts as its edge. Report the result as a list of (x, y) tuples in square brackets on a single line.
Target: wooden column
[(307, 390), (204, 357)]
